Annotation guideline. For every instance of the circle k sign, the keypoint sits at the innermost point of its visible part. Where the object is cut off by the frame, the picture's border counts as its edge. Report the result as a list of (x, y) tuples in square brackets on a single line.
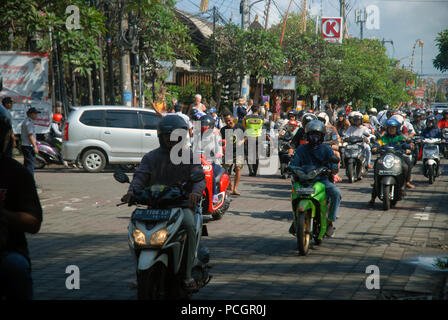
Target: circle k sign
[(331, 29)]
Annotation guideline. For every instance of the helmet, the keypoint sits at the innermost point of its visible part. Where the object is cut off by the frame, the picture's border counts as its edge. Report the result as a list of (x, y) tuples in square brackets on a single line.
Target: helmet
[(342, 113), (57, 117), (366, 118), (355, 118), (292, 113), (373, 110), (283, 115), (445, 112), (431, 120), (196, 115), (212, 110), (323, 117), (166, 126), (207, 122), (393, 123), (315, 127), (307, 117), (399, 118)]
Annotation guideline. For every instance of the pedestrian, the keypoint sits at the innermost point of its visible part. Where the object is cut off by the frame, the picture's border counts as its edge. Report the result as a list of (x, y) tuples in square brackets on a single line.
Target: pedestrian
[(330, 112), (198, 105), (253, 125), (5, 111), (29, 142), (241, 110), (20, 212), (233, 133), (218, 121)]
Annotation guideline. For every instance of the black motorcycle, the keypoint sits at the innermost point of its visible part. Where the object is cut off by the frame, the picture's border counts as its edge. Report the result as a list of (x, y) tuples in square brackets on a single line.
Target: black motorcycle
[(389, 176), (354, 158), (283, 153)]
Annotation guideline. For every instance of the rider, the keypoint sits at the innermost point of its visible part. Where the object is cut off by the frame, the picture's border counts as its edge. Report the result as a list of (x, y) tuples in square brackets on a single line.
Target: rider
[(316, 153), (290, 130), (157, 167), (358, 130), (394, 138), (443, 123), (418, 123), (211, 147), (373, 118), (342, 123), (300, 138)]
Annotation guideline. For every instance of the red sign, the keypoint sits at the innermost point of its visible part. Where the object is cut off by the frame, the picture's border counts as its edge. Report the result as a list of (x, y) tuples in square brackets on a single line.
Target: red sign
[(331, 29)]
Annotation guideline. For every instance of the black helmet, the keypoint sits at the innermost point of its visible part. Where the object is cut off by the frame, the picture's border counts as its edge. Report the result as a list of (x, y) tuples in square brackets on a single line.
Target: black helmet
[(307, 118), (292, 113), (342, 113), (431, 119), (445, 111), (315, 126), (166, 126), (207, 122), (283, 115)]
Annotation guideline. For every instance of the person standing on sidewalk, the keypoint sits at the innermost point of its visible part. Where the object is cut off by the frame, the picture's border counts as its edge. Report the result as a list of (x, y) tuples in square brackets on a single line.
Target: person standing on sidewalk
[(20, 212), (253, 125), (29, 142)]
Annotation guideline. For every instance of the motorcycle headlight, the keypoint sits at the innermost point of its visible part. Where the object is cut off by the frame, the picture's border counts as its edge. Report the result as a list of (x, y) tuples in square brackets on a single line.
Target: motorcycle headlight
[(139, 237), (388, 162), (158, 238)]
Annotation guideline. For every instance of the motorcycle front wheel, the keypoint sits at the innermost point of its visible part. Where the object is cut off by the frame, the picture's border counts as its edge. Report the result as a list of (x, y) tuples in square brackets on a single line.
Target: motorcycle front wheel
[(303, 232), (39, 163), (351, 173), (431, 174), (386, 197), (151, 283)]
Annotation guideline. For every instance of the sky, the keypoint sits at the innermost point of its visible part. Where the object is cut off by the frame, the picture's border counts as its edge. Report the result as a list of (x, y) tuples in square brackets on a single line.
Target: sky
[(402, 21)]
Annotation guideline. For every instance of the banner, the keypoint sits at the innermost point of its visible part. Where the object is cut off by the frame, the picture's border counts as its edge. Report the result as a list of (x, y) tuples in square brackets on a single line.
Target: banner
[(284, 83), (25, 79)]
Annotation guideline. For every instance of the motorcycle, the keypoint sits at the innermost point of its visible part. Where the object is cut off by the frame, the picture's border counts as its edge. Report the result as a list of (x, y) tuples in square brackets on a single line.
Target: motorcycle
[(157, 241), (388, 177), (431, 159), (354, 159), (309, 205), (47, 155), (283, 153), (445, 145), (222, 180), (418, 149)]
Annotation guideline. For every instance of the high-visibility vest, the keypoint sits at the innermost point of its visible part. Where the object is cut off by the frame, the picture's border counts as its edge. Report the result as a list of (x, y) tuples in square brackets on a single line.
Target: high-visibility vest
[(254, 125)]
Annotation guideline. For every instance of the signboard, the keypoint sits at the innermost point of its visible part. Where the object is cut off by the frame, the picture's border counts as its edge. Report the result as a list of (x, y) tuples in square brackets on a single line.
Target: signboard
[(25, 80), (331, 29), (284, 83), (410, 84), (419, 93)]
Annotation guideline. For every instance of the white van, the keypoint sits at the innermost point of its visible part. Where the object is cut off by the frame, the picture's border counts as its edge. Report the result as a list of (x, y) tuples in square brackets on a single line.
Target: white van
[(99, 135)]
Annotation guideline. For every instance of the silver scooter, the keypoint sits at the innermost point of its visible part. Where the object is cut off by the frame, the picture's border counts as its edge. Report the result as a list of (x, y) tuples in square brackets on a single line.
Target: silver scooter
[(157, 241), (431, 159)]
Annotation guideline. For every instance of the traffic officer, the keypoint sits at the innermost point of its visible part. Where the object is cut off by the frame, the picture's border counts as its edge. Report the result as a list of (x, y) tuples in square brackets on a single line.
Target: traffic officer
[(253, 125)]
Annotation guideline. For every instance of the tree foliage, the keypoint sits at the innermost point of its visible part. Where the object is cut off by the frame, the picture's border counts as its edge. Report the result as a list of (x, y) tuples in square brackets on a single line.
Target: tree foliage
[(441, 60)]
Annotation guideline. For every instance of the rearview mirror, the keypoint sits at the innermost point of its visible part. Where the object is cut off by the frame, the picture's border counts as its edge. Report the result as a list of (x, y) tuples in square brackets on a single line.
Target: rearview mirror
[(121, 177)]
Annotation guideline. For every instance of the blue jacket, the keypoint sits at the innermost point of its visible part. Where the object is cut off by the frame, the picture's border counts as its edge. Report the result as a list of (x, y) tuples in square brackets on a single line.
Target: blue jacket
[(322, 155), (431, 133)]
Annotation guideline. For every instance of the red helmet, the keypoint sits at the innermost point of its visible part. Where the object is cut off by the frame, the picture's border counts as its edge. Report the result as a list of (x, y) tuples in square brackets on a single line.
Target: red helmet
[(293, 123), (57, 117)]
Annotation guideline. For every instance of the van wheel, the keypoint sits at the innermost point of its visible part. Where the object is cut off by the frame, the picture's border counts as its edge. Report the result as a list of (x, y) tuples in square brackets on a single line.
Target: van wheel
[(93, 161)]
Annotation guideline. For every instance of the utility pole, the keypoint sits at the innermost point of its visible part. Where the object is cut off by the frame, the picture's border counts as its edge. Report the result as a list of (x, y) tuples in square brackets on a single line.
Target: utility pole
[(244, 10), (360, 18), (304, 16), (342, 14), (125, 63), (214, 76)]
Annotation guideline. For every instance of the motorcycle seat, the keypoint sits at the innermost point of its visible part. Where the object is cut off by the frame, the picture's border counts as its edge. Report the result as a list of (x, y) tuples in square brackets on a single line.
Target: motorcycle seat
[(218, 174)]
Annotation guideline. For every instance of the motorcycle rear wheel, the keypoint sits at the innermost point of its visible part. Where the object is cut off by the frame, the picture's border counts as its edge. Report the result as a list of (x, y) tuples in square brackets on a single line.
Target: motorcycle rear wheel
[(303, 232), (151, 283)]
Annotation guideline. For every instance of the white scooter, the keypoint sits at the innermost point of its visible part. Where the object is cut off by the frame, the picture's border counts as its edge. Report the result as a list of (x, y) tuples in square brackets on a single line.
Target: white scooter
[(431, 159), (158, 241)]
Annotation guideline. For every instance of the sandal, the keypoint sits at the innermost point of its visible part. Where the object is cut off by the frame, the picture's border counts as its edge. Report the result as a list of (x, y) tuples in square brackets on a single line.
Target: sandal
[(235, 193)]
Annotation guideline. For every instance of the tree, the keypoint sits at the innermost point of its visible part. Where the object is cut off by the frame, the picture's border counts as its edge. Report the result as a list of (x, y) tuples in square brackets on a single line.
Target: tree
[(441, 60)]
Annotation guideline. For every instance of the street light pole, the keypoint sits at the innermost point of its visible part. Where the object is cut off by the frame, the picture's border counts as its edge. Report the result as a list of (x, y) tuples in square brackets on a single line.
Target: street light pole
[(244, 9)]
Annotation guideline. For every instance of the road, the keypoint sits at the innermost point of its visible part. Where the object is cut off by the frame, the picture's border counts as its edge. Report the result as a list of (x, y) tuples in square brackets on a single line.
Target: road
[(254, 255)]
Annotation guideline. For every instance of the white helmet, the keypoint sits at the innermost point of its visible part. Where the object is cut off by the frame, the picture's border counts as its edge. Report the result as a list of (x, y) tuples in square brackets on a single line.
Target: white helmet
[(324, 116), (399, 118), (373, 110)]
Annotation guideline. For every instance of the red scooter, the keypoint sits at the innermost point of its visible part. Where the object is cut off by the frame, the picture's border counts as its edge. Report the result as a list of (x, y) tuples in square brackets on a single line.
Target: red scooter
[(222, 181)]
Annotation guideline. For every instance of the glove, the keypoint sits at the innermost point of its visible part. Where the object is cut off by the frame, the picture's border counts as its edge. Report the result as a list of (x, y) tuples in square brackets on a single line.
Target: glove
[(127, 198), (194, 199)]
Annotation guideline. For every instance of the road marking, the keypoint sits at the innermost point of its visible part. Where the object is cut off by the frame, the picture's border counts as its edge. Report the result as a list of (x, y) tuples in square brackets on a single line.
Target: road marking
[(42, 200), (68, 209), (421, 216)]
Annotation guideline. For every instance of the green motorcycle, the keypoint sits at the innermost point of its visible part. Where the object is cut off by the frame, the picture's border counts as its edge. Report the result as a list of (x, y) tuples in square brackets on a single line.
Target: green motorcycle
[(309, 205)]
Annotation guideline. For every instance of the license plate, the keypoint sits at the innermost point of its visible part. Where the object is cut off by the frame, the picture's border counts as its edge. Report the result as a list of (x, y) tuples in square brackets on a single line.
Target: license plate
[(387, 172), (307, 191), (352, 147), (151, 214)]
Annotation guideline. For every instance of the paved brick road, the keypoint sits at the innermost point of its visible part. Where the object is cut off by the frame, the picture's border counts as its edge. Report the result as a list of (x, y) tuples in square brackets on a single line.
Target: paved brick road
[(255, 256)]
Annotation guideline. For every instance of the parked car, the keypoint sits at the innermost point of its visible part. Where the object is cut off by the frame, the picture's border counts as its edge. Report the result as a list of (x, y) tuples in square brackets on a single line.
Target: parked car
[(95, 136)]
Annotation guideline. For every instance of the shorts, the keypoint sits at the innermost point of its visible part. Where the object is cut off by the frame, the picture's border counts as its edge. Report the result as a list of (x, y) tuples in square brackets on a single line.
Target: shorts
[(238, 162)]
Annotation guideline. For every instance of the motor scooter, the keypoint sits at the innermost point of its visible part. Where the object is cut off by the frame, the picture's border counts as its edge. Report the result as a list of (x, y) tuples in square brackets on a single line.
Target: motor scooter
[(431, 159)]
